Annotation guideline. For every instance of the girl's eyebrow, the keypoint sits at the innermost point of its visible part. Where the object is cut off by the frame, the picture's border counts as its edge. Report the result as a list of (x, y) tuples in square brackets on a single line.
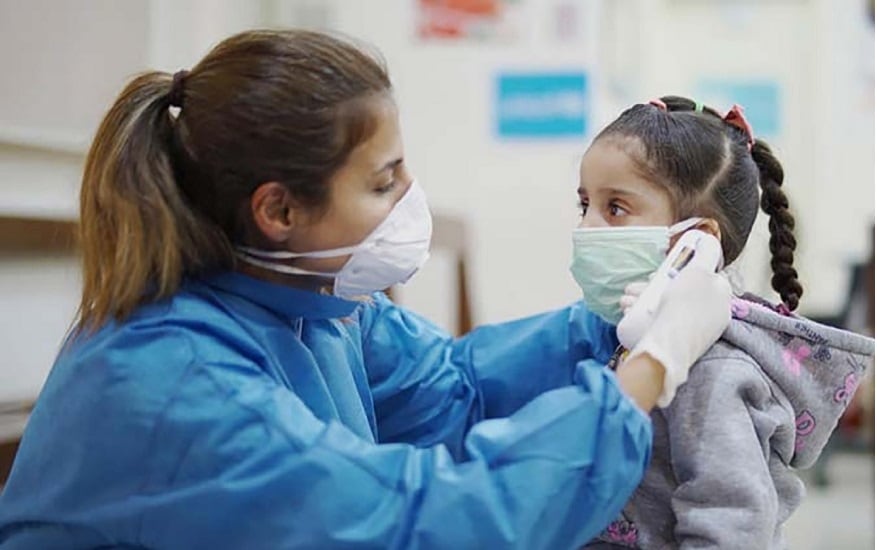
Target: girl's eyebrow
[(623, 192), (613, 191)]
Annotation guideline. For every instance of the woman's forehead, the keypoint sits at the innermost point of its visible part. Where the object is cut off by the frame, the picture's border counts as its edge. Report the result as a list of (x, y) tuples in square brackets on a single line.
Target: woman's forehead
[(384, 146)]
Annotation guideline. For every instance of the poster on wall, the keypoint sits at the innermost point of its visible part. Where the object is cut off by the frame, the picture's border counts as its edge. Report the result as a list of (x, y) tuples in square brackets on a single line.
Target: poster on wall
[(760, 100), (568, 20), (469, 20), (541, 105)]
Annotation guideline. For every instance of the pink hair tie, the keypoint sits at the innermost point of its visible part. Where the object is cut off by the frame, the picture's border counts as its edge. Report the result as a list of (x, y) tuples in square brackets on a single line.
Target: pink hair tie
[(735, 118), (659, 104)]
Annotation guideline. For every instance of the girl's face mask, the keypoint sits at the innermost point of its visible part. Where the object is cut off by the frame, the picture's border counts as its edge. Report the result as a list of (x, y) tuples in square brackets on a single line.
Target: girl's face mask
[(607, 259)]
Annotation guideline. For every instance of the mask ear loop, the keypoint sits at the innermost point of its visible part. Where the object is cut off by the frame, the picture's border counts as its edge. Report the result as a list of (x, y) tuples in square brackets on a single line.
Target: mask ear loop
[(684, 225), (281, 268), (287, 255)]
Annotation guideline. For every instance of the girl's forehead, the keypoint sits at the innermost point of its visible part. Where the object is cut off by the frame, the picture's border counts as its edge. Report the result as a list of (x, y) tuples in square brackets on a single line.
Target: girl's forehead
[(609, 155), (609, 164)]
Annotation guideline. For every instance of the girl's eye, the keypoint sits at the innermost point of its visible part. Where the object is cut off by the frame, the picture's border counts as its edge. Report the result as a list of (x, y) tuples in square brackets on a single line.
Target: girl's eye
[(616, 210), (583, 207)]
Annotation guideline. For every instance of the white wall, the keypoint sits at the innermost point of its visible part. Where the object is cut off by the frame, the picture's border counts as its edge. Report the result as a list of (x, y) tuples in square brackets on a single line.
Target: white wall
[(37, 303), (62, 64), (67, 59)]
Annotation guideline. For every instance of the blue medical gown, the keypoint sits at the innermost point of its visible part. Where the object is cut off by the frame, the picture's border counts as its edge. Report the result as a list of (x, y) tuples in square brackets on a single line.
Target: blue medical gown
[(241, 414)]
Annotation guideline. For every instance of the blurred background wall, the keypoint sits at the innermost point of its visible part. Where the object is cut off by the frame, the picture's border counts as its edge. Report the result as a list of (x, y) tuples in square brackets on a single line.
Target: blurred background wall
[(803, 68), (498, 99)]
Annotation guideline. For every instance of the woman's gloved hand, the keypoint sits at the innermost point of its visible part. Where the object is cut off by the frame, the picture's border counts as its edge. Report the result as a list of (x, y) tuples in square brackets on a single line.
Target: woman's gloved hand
[(631, 294), (694, 311)]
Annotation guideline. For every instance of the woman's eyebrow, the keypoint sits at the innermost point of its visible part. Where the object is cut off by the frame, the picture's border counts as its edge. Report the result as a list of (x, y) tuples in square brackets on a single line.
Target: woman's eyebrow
[(389, 166)]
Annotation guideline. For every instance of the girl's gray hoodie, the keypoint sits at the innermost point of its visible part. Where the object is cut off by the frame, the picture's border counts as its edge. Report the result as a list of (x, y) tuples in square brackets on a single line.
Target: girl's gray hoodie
[(760, 404)]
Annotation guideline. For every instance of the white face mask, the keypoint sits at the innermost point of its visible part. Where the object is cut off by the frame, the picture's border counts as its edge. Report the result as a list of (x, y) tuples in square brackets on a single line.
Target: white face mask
[(390, 255)]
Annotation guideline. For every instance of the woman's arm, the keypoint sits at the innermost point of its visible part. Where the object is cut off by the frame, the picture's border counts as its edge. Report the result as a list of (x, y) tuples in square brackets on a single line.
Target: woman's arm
[(246, 464), (642, 378), (430, 388)]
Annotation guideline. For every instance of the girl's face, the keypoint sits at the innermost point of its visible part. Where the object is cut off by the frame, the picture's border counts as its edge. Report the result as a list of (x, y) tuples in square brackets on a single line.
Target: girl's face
[(612, 192)]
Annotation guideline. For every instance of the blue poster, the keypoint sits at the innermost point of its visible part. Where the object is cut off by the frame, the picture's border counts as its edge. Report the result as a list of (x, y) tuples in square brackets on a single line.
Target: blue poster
[(760, 100), (541, 105)]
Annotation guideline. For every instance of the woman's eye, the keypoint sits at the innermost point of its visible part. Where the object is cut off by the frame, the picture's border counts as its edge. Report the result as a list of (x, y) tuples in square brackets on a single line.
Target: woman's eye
[(583, 207), (387, 187)]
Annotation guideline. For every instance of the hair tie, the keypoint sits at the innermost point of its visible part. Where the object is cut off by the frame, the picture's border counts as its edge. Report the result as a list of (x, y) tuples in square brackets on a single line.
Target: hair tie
[(698, 107), (175, 97), (659, 104), (735, 118)]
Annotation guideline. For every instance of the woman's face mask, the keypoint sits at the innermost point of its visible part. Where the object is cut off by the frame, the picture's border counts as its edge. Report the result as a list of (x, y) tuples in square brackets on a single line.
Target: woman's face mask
[(607, 259), (391, 254)]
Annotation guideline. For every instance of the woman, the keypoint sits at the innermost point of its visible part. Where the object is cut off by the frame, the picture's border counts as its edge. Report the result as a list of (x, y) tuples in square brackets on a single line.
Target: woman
[(233, 381)]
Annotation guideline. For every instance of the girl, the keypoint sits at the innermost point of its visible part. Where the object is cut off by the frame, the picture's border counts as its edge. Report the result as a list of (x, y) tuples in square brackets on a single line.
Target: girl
[(228, 386), (765, 398)]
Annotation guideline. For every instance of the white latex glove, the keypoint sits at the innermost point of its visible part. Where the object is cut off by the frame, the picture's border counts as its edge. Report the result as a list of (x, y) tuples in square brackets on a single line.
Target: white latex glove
[(631, 333), (694, 311), (631, 295)]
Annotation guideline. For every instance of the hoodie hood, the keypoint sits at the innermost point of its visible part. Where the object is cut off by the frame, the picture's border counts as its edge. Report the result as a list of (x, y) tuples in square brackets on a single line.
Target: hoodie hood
[(816, 367)]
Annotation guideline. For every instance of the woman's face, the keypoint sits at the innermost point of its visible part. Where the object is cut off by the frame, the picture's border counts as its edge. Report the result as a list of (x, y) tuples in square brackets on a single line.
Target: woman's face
[(361, 195), (612, 192)]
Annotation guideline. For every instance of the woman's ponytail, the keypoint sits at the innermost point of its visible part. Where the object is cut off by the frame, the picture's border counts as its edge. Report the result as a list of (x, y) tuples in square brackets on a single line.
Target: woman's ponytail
[(137, 234)]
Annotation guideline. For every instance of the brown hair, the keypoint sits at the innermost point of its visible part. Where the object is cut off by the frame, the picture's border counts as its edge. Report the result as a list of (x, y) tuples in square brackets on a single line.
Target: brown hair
[(707, 167), (164, 197)]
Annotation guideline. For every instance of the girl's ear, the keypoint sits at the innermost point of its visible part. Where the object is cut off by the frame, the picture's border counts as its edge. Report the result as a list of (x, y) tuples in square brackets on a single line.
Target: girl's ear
[(707, 225), (711, 226)]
